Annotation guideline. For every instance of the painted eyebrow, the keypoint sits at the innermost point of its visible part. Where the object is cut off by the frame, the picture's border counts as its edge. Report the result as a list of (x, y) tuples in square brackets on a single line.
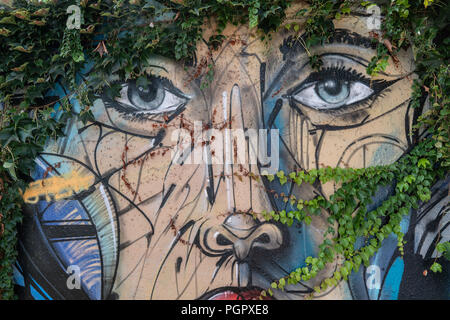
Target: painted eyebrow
[(292, 46), (158, 66)]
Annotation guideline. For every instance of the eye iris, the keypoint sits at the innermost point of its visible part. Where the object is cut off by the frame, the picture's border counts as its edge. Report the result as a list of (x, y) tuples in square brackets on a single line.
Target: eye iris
[(147, 93), (148, 96), (333, 91)]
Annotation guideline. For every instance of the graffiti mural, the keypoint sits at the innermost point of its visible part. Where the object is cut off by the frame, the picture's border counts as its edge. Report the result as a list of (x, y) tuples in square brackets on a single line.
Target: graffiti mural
[(160, 197)]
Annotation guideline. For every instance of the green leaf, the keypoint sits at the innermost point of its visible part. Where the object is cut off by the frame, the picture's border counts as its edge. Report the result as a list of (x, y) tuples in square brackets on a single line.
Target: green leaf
[(344, 272), (308, 220), (11, 169), (335, 208), (436, 267), (8, 20), (357, 260), (423, 163), (426, 3)]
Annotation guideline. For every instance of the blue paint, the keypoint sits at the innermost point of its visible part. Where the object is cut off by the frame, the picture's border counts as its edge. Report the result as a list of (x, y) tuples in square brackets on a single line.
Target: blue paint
[(36, 294), (84, 253), (18, 277), (42, 290), (392, 282)]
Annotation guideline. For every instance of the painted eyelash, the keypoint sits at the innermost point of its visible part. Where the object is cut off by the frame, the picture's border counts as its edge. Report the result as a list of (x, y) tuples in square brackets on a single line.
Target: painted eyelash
[(131, 114), (366, 103), (346, 74)]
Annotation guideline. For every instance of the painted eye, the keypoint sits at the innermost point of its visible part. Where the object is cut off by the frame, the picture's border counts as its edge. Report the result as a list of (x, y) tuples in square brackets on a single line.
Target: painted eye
[(154, 96), (336, 87), (332, 93)]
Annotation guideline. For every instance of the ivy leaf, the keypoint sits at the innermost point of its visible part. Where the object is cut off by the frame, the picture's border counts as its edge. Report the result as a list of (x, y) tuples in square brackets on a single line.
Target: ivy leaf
[(357, 260), (345, 243), (337, 275), (78, 56), (444, 247), (20, 68), (308, 220), (335, 208), (22, 48), (41, 12), (426, 3), (423, 163), (253, 17), (39, 23), (364, 256), (380, 236), (11, 138), (344, 272), (436, 267), (22, 14), (24, 134), (4, 32), (8, 20), (11, 169)]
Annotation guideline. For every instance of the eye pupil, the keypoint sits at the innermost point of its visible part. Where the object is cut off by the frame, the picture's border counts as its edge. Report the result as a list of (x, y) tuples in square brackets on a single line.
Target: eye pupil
[(332, 87), (147, 93), (333, 90)]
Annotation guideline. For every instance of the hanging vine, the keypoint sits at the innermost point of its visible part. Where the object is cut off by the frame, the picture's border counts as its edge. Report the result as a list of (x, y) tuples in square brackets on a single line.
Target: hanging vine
[(38, 51)]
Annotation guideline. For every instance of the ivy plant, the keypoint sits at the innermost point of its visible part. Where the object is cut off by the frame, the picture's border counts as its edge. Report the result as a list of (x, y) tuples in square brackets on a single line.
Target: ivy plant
[(39, 52)]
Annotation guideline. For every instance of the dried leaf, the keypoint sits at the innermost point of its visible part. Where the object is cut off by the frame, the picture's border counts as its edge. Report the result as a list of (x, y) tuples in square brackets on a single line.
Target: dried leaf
[(22, 14), (22, 49), (4, 32), (20, 68), (101, 48), (89, 29), (41, 12), (388, 45), (39, 23)]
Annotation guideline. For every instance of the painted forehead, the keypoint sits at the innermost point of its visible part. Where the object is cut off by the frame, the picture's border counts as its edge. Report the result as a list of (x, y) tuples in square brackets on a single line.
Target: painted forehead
[(160, 66)]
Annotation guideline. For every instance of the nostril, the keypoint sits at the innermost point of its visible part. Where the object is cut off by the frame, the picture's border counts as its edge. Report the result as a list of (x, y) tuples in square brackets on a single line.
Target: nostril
[(267, 236), (221, 240), (263, 238)]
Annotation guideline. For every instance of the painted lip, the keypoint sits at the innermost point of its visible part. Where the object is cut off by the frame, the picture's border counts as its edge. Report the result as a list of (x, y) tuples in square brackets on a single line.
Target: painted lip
[(234, 293)]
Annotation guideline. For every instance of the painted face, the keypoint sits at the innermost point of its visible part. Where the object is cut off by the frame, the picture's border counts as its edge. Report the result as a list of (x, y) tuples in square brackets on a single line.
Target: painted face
[(173, 210), (338, 116)]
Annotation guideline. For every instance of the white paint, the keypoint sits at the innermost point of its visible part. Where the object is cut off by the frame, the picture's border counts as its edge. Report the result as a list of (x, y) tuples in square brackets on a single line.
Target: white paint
[(110, 215), (74, 280), (374, 279), (227, 165)]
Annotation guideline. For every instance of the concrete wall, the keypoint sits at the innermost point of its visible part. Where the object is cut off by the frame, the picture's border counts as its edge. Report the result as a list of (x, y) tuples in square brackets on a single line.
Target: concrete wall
[(115, 213)]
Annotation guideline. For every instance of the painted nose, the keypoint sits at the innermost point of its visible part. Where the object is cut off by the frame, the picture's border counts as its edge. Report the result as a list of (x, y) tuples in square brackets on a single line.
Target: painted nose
[(240, 233)]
